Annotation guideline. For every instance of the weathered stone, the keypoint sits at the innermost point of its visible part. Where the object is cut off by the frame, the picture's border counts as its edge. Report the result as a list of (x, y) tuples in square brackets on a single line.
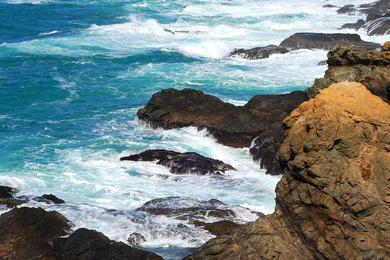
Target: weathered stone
[(369, 67), (259, 52), (232, 125), (332, 202), (182, 163)]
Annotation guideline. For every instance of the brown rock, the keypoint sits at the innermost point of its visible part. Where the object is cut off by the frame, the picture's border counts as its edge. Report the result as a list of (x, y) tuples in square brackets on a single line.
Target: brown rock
[(218, 228), (333, 200), (28, 233), (232, 125), (369, 67)]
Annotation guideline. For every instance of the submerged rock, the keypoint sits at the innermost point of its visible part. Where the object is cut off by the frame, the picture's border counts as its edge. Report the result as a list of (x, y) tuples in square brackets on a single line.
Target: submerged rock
[(259, 52), (33, 233), (231, 125), (182, 163), (52, 198), (369, 67), (377, 20), (332, 201), (325, 41)]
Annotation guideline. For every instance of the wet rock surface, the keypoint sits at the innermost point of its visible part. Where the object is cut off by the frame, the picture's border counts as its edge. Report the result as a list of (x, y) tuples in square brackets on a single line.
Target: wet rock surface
[(33, 233), (87, 244), (182, 163), (369, 67), (325, 41), (190, 209), (297, 41), (332, 201), (377, 20), (7, 197), (234, 126), (259, 52)]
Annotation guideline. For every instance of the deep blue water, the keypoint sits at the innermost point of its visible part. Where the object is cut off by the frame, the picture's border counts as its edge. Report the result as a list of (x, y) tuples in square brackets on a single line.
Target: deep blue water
[(74, 73)]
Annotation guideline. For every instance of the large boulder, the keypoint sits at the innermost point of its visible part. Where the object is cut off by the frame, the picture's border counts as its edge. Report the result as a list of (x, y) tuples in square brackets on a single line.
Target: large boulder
[(28, 233), (325, 41), (231, 125), (377, 20), (369, 67), (333, 200), (182, 163)]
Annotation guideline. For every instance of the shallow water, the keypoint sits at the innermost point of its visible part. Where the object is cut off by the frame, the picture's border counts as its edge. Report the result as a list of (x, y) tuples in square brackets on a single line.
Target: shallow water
[(74, 73)]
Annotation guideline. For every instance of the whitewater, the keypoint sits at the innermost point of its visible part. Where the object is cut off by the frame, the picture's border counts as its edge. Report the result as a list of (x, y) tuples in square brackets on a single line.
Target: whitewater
[(74, 73)]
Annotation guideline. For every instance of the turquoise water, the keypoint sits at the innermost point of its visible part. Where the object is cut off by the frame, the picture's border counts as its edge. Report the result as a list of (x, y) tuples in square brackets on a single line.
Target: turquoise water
[(74, 73)]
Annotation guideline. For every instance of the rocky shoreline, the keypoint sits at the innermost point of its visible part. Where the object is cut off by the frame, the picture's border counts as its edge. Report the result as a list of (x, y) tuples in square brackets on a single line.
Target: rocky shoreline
[(330, 143)]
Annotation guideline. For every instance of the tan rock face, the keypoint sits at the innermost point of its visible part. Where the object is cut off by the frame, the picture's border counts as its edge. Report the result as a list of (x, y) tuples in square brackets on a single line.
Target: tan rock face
[(369, 67), (333, 201)]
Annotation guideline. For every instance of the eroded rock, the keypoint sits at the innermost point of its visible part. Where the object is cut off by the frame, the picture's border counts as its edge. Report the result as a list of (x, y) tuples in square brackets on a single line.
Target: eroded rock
[(182, 163), (377, 20), (231, 125), (369, 67), (259, 52), (332, 202)]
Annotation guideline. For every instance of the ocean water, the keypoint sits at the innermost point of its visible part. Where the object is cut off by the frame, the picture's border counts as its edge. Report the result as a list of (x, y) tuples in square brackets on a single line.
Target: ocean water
[(74, 73)]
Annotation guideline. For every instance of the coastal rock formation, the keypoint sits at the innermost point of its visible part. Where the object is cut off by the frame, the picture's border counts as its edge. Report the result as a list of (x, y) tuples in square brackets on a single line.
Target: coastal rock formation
[(325, 41), (297, 41), (182, 163), (369, 67), (7, 198), (191, 209), (231, 125), (377, 20), (259, 52), (28, 233), (33, 233), (85, 244), (333, 200)]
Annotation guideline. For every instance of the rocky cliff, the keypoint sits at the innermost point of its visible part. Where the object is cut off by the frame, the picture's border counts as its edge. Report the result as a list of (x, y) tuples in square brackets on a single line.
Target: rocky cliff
[(333, 201), (369, 67)]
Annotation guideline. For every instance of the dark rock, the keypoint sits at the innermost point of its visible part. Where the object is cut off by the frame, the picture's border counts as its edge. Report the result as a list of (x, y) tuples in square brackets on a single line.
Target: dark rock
[(346, 9), (332, 201), (259, 52), (182, 163), (325, 41), (7, 192), (27, 233), (329, 6), (369, 67), (7, 197), (234, 126), (33, 233), (218, 228), (135, 239), (377, 17), (86, 244), (357, 25), (188, 209), (53, 198), (322, 63)]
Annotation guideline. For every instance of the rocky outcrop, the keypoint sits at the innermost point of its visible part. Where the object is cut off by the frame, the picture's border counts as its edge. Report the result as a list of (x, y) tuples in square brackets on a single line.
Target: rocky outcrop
[(259, 52), (377, 20), (333, 200), (231, 125), (7, 197), (297, 41), (29, 233), (52, 198), (33, 233), (182, 163), (325, 41), (369, 67)]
